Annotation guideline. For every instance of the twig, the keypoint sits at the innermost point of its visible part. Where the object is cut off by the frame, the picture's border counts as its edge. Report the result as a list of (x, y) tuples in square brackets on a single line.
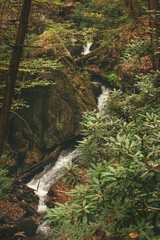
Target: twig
[(25, 123), (140, 201), (145, 204), (61, 191)]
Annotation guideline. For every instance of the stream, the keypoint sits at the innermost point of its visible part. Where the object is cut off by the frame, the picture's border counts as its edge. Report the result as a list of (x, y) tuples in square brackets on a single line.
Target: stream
[(86, 48), (102, 97), (51, 174), (44, 180)]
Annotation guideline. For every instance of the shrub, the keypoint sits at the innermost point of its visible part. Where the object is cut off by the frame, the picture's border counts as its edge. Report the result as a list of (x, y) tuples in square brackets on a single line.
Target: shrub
[(121, 149), (5, 181)]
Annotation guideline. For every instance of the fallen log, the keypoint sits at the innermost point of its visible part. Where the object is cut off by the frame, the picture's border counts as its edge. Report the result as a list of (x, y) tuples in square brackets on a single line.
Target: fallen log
[(38, 167), (81, 61)]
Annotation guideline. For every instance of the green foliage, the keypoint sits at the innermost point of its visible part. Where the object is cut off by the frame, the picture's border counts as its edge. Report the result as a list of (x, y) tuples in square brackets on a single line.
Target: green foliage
[(72, 176), (113, 79), (121, 149), (59, 126), (137, 49), (18, 104), (68, 30), (5, 181), (102, 14), (65, 231)]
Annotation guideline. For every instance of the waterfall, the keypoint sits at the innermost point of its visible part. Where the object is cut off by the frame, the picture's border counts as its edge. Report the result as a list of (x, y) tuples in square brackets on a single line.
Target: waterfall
[(105, 91), (86, 48), (44, 180), (51, 174), (102, 97)]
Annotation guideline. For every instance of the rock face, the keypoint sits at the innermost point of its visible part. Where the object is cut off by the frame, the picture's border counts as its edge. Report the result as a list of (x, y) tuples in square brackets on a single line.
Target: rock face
[(54, 110)]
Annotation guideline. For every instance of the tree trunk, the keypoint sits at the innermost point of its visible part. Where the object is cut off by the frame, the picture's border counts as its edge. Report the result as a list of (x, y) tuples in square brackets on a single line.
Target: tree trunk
[(133, 6), (136, 9), (154, 7), (12, 72)]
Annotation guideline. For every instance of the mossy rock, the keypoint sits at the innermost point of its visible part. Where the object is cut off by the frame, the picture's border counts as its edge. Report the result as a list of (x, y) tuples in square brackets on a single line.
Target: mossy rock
[(55, 109)]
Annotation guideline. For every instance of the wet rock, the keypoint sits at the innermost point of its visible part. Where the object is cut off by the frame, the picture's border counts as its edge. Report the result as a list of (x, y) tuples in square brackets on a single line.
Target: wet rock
[(65, 11), (16, 208), (51, 192), (29, 210), (75, 47), (25, 193), (96, 86), (28, 225), (51, 196), (7, 230)]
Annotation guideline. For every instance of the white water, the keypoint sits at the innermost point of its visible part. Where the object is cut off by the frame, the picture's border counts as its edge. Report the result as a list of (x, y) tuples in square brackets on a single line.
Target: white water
[(86, 48), (102, 99), (105, 91), (43, 181)]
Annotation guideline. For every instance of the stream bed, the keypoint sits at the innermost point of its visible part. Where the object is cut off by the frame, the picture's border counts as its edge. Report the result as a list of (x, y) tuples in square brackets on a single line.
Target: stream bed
[(42, 182), (51, 174)]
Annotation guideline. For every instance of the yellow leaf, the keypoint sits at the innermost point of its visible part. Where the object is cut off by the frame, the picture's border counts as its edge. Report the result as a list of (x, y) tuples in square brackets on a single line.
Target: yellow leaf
[(133, 235)]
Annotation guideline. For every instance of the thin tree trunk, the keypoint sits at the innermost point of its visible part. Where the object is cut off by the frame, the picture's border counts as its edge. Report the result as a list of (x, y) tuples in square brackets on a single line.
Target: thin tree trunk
[(136, 9), (154, 7), (12, 72), (133, 6), (130, 5)]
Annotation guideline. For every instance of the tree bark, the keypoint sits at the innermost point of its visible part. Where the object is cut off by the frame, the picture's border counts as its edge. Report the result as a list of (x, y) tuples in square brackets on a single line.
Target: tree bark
[(12, 72), (154, 7), (133, 6)]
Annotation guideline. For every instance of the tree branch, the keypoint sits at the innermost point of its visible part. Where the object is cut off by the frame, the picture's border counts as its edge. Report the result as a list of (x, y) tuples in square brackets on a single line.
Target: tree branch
[(25, 123)]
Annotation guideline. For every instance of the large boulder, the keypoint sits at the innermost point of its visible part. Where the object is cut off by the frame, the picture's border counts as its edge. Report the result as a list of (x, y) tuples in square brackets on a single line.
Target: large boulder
[(55, 108)]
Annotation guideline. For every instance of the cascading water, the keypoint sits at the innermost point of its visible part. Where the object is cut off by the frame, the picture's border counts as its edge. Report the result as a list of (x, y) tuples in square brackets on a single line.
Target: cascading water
[(44, 180), (51, 174), (86, 48), (102, 97)]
